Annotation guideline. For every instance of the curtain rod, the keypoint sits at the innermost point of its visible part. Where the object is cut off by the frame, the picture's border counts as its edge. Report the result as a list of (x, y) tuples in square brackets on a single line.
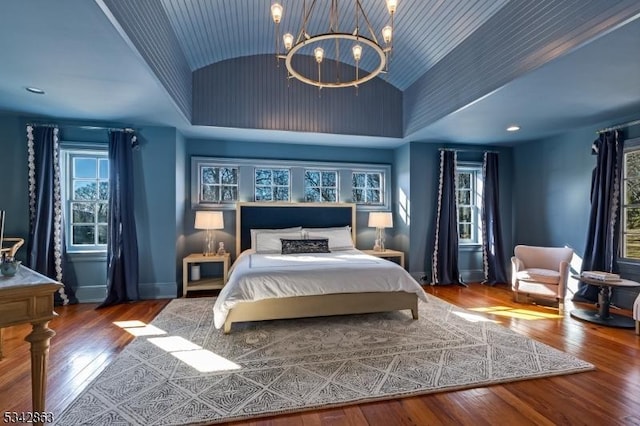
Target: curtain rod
[(618, 126), (116, 129), (468, 150)]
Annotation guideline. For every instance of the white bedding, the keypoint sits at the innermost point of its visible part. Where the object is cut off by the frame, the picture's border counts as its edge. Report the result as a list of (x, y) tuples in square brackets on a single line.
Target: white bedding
[(266, 276)]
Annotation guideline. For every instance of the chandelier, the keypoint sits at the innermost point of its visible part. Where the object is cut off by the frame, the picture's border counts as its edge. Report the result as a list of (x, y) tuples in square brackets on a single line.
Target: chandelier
[(361, 41)]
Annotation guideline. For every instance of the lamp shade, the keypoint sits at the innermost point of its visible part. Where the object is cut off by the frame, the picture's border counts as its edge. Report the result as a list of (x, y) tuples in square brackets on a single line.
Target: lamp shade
[(380, 220), (209, 220)]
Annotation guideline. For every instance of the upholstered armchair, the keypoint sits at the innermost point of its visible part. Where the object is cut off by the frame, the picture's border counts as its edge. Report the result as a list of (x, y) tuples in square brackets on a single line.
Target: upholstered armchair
[(540, 272)]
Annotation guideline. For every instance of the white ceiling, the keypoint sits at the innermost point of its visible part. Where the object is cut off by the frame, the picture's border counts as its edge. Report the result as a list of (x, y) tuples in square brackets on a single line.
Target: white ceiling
[(73, 51)]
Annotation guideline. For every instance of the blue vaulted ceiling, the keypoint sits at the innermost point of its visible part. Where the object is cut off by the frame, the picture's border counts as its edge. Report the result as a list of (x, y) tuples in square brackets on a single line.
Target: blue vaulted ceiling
[(473, 64)]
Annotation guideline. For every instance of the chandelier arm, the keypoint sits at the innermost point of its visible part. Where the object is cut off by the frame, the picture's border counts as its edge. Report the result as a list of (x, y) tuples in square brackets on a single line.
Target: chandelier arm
[(307, 15), (366, 19)]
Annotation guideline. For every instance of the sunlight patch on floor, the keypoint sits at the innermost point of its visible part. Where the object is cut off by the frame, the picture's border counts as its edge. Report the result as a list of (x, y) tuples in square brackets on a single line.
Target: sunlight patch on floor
[(520, 313), (474, 318), (139, 328)]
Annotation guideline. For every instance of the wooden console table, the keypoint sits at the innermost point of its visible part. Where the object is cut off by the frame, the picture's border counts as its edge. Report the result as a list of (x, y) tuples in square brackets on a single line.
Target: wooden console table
[(27, 297)]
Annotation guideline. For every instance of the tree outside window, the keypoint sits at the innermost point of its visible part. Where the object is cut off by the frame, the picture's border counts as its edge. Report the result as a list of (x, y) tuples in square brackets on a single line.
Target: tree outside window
[(272, 184), (367, 187), (631, 205), (321, 186)]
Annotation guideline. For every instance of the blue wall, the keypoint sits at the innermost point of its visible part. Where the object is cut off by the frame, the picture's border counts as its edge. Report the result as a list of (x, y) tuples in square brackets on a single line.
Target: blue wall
[(552, 185), (159, 195)]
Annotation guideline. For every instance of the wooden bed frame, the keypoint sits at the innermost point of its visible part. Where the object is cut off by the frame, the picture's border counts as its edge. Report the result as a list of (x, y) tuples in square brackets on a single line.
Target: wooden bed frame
[(251, 215)]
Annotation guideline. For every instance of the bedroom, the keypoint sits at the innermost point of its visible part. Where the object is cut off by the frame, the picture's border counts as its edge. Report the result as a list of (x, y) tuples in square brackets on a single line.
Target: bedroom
[(553, 170)]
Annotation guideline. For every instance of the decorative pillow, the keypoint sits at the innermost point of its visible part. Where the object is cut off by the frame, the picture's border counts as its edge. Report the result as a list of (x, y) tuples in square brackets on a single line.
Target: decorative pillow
[(339, 238), (255, 232), (319, 245), (269, 242)]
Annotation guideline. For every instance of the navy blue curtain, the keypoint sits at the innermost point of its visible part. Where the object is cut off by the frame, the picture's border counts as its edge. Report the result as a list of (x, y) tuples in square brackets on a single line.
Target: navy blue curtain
[(444, 264), (45, 245), (603, 234), (122, 246), (492, 249)]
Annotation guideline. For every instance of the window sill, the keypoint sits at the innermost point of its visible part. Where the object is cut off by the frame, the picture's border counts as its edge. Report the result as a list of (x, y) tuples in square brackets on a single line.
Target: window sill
[(469, 247)]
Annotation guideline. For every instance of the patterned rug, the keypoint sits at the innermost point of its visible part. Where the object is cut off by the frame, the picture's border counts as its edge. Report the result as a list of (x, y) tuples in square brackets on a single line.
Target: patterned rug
[(181, 370)]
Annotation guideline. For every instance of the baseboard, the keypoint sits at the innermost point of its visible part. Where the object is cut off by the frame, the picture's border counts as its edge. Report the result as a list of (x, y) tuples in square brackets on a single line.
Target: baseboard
[(97, 293), (166, 290)]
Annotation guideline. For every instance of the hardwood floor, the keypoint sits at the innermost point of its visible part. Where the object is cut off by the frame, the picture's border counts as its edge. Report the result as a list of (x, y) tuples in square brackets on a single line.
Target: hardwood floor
[(87, 341)]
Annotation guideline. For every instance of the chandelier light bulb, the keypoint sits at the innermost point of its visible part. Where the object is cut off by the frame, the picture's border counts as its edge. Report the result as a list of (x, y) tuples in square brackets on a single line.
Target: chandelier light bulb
[(357, 52), (387, 33), (288, 41), (318, 52), (276, 12), (392, 6)]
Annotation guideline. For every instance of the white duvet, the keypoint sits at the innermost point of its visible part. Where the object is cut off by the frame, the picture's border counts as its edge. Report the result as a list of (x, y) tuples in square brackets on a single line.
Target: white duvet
[(266, 276)]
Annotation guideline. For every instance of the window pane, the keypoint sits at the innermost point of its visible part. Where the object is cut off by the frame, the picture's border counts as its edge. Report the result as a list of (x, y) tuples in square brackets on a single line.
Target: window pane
[(104, 190), (329, 194), (229, 176), (102, 234), (84, 167), (103, 164), (281, 177), (103, 212), (210, 193), (465, 231), (84, 190), (229, 193), (311, 178), (312, 194), (263, 193), (373, 180), (329, 179), (633, 219), (632, 191), (358, 180), (281, 193), (632, 164), (358, 196), (464, 197), (263, 177), (83, 235), (464, 214), (373, 196), (83, 212), (210, 175)]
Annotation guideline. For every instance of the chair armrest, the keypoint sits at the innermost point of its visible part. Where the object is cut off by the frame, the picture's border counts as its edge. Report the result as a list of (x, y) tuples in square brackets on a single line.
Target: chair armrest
[(564, 276)]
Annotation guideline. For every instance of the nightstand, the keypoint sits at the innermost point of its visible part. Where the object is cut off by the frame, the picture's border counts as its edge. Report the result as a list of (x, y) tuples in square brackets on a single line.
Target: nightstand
[(388, 254), (205, 283)]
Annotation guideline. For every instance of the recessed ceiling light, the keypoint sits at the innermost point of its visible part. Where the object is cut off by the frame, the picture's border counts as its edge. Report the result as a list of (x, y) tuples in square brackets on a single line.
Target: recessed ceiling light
[(35, 90), (513, 128)]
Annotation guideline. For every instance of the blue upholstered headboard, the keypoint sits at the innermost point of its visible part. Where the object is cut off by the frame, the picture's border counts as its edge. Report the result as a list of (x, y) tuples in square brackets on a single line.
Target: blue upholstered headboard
[(253, 215)]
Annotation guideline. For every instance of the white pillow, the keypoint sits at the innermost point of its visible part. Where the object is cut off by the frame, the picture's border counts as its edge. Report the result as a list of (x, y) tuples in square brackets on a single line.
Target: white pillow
[(339, 238), (269, 242), (255, 232)]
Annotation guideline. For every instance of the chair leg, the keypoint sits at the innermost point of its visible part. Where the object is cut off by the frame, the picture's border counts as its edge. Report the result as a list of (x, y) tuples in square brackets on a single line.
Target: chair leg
[(638, 327), (561, 306)]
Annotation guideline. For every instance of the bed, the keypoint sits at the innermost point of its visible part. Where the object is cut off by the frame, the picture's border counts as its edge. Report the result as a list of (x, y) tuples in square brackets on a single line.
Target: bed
[(270, 285)]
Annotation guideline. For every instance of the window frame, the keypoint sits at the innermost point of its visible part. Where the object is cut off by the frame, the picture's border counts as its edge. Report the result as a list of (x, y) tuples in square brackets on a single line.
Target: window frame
[(321, 186), (68, 152), (631, 146), (199, 195), (273, 186), (477, 188), (246, 180)]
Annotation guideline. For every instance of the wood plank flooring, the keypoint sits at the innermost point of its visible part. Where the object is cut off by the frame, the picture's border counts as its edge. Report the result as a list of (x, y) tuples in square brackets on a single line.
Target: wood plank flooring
[(87, 341)]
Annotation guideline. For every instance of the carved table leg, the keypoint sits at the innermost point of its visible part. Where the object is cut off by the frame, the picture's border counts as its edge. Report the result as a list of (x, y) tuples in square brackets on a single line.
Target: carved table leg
[(39, 339)]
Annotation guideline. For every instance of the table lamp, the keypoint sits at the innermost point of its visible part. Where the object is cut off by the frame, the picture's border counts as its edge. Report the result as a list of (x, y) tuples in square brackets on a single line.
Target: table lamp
[(209, 221), (380, 221)]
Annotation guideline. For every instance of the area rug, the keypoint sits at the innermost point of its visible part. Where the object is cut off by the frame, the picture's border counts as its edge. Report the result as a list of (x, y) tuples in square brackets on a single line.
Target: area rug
[(182, 370)]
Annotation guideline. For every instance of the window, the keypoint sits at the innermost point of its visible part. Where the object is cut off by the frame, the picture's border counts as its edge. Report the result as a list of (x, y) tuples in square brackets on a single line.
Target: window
[(272, 185), (219, 184), (631, 203), (367, 187), (86, 194), (469, 199), (321, 186)]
